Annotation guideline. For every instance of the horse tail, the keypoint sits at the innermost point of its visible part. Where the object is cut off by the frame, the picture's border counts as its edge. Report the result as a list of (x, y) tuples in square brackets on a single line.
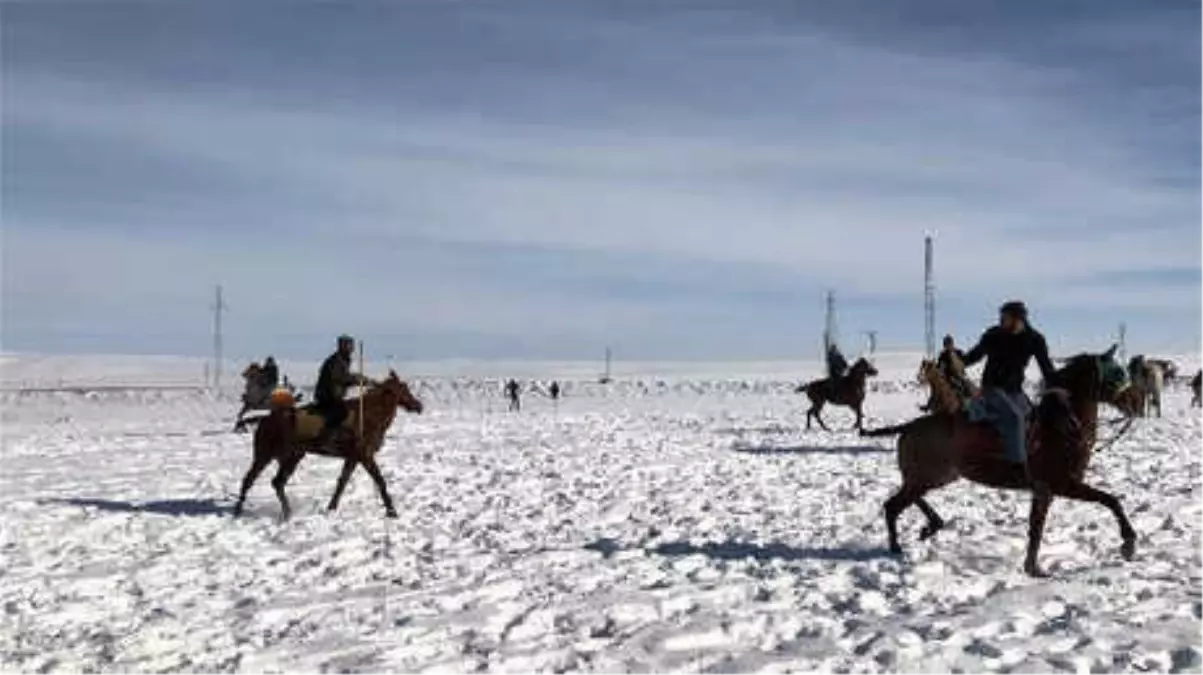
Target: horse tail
[(888, 431)]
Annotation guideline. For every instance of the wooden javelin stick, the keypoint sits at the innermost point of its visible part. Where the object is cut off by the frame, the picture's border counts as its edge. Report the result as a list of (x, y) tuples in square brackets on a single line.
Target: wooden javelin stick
[(362, 390)]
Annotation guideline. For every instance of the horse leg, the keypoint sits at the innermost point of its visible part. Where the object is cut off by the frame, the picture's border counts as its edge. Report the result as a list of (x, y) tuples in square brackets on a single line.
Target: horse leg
[(860, 417), (819, 419), (1042, 498), (934, 522), (373, 470), (894, 507), (1086, 493), (288, 465), (343, 477), (816, 410), (258, 464)]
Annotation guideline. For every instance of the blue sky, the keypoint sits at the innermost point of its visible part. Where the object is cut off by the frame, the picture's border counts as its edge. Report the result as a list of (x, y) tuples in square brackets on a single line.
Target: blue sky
[(540, 179)]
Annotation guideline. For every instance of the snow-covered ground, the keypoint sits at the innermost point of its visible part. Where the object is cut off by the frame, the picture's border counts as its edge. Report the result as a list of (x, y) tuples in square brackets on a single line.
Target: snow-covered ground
[(680, 518)]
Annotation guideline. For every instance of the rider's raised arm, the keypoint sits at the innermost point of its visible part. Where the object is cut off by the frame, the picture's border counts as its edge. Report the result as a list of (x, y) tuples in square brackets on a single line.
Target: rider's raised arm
[(979, 350), (1047, 369)]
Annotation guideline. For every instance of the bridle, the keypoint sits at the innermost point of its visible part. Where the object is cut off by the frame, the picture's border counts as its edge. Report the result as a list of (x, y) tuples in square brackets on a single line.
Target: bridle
[(1125, 422)]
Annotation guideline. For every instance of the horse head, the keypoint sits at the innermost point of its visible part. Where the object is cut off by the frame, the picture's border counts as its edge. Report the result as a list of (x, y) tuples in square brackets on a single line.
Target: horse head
[(1097, 378), (928, 371), (862, 368), (400, 389)]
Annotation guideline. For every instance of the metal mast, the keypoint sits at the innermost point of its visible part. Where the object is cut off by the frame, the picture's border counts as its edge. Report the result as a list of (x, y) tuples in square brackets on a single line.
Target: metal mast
[(929, 300)]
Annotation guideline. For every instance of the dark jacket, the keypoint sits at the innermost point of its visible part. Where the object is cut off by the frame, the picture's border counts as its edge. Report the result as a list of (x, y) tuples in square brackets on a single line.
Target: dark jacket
[(837, 365), (1007, 356), (333, 380), (944, 363), (270, 375)]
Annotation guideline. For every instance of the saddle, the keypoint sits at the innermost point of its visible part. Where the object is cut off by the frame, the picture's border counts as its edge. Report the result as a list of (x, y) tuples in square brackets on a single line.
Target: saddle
[(980, 435)]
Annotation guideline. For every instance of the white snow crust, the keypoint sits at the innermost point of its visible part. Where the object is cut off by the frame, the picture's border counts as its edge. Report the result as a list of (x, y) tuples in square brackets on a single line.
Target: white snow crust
[(678, 519)]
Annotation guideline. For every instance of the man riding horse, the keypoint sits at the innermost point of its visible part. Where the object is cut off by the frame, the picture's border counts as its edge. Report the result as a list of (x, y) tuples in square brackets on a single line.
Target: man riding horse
[(1008, 348), (837, 367), (333, 381)]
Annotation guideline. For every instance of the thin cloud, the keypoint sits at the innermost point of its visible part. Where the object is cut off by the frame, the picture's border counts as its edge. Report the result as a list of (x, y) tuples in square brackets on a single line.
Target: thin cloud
[(780, 158)]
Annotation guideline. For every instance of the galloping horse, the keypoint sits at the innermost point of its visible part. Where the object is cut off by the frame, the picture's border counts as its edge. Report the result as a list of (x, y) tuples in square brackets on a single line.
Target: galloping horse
[(287, 434), (936, 450), (848, 391)]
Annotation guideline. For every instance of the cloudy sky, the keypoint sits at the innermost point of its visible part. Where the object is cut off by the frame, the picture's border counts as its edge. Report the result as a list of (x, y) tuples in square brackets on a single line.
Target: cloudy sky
[(680, 179)]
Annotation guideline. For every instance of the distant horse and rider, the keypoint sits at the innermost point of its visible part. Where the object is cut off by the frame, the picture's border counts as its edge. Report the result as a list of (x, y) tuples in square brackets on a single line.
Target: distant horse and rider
[(330, 426), (843, 386), (260, 382), (997, 440)]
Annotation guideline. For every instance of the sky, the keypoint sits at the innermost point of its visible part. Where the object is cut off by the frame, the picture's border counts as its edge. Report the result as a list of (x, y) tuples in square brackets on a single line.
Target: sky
[(678, 179)]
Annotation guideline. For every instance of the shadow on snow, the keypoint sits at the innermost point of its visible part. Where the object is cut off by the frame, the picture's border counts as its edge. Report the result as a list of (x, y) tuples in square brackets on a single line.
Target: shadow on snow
[(731, 550), (166, 507), (770, 449)]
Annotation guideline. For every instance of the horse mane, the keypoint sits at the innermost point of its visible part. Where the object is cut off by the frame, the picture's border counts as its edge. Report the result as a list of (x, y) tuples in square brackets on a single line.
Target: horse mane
[(1076, 360)]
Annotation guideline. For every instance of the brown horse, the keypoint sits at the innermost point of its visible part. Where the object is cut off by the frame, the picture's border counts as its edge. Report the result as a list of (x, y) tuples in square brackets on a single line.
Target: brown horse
[(944, 398), (287, 434), (848, 391), (936, 450)]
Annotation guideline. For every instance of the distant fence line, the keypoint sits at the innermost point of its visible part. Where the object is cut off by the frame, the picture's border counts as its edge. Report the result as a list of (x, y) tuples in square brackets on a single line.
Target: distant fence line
[(101, 388)]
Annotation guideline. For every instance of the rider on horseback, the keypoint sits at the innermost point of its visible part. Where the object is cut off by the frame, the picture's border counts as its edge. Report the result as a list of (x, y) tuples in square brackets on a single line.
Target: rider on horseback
[(332, 383), (1008, 348), (952, 371), (837, 366)]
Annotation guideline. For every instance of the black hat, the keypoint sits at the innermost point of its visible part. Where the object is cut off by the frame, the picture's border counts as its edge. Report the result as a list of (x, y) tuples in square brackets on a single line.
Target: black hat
[(1015, 308)]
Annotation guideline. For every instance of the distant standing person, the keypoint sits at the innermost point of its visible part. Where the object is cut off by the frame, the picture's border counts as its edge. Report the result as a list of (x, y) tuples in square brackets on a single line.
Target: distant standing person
[(511, 390), (554, 390)]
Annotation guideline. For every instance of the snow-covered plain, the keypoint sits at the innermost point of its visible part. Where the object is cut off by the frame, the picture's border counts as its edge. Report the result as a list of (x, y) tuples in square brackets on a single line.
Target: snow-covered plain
[(680, 518)]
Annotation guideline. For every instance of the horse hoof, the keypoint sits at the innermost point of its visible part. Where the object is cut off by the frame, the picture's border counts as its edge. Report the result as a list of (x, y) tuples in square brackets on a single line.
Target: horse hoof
[(1128, 549), (928, 532), (1033, 570), (895, 549), (390, 513)]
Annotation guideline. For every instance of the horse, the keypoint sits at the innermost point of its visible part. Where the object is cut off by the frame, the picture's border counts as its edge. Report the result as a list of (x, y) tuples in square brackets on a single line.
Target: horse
[(1148, 377), (1196, 395), (960, 386), (1169, 369), (287, 434), (848, 390), (936, 450), (255, 394), (944, 398)]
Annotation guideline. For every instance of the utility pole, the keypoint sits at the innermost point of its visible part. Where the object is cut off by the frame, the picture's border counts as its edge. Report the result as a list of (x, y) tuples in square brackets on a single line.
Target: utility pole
[(829, 334), (929, 300), (218, 307), (1122, 341)]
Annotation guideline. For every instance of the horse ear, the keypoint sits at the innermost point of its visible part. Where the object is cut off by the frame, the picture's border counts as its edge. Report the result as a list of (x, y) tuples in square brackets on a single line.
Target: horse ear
[(392, 373), (1110, 353)]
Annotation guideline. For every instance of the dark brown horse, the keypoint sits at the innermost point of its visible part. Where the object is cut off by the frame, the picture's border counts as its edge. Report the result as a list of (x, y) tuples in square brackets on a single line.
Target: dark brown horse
[(848, 391), (936, 450), (287, 434)]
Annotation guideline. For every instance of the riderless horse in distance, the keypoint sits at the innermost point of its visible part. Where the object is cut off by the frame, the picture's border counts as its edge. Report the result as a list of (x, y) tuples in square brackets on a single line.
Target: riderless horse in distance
[(1148, 381)]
